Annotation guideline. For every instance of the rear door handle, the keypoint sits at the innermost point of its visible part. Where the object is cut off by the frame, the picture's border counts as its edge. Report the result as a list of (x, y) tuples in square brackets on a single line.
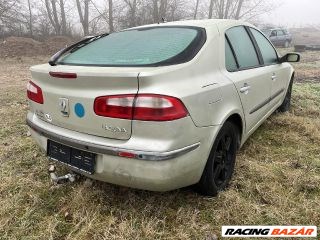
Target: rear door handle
[(245, 89), (273, 77)]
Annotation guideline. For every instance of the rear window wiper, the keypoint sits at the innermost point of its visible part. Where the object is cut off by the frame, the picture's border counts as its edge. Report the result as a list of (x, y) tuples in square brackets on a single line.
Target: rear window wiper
[(53, 60)]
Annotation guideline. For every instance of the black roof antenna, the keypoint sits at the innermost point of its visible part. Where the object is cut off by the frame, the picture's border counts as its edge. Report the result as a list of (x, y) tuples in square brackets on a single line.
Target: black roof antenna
[(163, 20)]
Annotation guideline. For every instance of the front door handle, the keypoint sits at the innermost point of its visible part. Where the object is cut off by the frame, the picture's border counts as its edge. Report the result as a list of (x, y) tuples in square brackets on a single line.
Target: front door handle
[(245, 89), (273, 77)]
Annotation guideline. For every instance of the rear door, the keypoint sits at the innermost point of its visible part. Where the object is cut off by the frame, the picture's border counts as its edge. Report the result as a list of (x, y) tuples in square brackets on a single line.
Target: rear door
[(251, 80)]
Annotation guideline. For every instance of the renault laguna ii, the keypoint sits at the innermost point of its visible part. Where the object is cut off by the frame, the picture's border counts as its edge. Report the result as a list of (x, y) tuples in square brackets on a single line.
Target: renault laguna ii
[(159, 107)]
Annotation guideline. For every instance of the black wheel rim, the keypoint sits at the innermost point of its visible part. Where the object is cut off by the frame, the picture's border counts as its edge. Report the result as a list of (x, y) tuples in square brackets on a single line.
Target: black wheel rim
[(223, 160)]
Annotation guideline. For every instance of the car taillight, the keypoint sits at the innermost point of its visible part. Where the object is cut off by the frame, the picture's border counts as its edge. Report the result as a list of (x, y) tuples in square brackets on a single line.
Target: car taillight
[(116, 106), (34, 92), (146, 107)]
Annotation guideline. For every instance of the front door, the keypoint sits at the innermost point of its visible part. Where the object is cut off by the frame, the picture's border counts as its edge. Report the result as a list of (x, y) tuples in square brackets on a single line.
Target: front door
[(276, 73)]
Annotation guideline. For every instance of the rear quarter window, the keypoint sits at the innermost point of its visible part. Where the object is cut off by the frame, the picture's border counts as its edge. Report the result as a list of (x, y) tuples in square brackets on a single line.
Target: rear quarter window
[(140, 47), (231, 64)]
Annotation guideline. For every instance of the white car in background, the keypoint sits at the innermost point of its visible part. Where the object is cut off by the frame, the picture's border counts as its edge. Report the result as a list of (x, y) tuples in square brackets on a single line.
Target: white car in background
[(159, 107)]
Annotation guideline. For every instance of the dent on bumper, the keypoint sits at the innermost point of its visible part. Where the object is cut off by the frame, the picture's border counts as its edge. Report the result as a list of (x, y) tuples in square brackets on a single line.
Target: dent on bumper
[(102, 149)]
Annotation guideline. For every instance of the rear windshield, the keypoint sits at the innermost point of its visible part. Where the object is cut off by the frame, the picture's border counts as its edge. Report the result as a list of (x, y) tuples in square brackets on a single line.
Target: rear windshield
[(141, 47)]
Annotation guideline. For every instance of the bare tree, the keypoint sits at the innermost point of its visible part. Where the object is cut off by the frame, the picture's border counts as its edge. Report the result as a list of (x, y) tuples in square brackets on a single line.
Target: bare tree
[(155, 11), (163, 9), (63, 18), (237, 16), (10, 19), (84, 15), (21, 17), (160, 8), (196, 10), (110, 10), (211, 9), (132, 11), (30, 19), (53, 15), (238, 9)]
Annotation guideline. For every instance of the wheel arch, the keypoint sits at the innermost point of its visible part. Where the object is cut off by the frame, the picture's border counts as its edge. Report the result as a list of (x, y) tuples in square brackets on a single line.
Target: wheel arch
[(239, 122)]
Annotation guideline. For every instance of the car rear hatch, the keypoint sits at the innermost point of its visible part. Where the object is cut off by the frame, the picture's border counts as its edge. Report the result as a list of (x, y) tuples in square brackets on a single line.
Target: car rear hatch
[(68, 99)]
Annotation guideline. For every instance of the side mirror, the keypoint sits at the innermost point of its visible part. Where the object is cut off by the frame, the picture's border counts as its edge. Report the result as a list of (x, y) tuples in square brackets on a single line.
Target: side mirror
[(290, 57)]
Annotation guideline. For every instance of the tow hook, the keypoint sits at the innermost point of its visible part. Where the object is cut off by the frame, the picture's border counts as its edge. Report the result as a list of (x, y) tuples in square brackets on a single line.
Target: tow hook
[(60, 179)]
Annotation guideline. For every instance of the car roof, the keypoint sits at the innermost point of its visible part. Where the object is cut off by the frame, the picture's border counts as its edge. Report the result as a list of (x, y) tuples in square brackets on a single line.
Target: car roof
[(200, 23)]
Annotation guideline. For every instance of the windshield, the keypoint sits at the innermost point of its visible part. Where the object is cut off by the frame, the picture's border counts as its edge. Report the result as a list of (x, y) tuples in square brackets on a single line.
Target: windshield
[(140, 47)]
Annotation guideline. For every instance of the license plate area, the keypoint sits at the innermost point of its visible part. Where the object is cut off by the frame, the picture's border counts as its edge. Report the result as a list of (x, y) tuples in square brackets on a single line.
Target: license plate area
[(82, 160)]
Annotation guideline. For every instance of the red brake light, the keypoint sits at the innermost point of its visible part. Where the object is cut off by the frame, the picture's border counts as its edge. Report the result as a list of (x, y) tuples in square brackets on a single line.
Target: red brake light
[(145, 107), (63, 75), (34, 92)]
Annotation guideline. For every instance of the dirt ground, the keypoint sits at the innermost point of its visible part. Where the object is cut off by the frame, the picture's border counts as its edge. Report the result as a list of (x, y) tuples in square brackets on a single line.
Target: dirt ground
[(276, 182), (27, 47)]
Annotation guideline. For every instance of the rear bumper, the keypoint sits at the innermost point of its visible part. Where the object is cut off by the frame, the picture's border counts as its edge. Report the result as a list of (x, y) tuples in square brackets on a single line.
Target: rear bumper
[(114, 151), (149, 170)]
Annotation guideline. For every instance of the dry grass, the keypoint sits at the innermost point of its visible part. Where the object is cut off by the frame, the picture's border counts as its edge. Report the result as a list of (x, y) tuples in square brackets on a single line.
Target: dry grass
[(277, 181)]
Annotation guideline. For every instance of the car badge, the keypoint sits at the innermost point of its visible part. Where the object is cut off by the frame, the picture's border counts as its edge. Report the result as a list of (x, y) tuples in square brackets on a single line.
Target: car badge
[(64, 106), (48, 117)]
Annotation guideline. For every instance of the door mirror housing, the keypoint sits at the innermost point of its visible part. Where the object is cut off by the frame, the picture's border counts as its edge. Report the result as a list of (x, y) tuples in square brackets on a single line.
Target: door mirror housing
[(290, 57)]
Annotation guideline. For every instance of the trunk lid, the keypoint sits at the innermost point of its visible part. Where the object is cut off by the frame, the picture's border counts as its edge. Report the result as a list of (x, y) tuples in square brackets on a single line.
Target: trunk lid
[(69, 102)]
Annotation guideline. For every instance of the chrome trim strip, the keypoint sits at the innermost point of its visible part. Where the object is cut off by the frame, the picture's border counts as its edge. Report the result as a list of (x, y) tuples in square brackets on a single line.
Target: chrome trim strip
[(265, 102), (97, 148)]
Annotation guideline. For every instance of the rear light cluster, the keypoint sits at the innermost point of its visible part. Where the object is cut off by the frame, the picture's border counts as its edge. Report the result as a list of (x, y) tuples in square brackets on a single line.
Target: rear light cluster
[(146, 107), (34, 92)]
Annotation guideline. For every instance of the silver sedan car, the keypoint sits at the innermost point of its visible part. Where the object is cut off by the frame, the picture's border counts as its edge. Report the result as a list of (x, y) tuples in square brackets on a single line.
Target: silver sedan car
[(159, 107)]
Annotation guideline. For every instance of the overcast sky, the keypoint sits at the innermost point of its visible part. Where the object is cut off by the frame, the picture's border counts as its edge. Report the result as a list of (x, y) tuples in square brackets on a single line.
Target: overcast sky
[(294, 13)]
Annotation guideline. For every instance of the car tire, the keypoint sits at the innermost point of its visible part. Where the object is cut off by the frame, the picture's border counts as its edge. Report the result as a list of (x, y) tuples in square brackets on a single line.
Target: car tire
[(285, 106), (220, 164), (287, 44)]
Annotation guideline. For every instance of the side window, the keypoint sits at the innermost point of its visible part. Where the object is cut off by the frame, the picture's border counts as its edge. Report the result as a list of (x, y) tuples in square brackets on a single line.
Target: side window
[(243, 47), (269, 54), (279, 33), (273, 33), (231, 64)]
